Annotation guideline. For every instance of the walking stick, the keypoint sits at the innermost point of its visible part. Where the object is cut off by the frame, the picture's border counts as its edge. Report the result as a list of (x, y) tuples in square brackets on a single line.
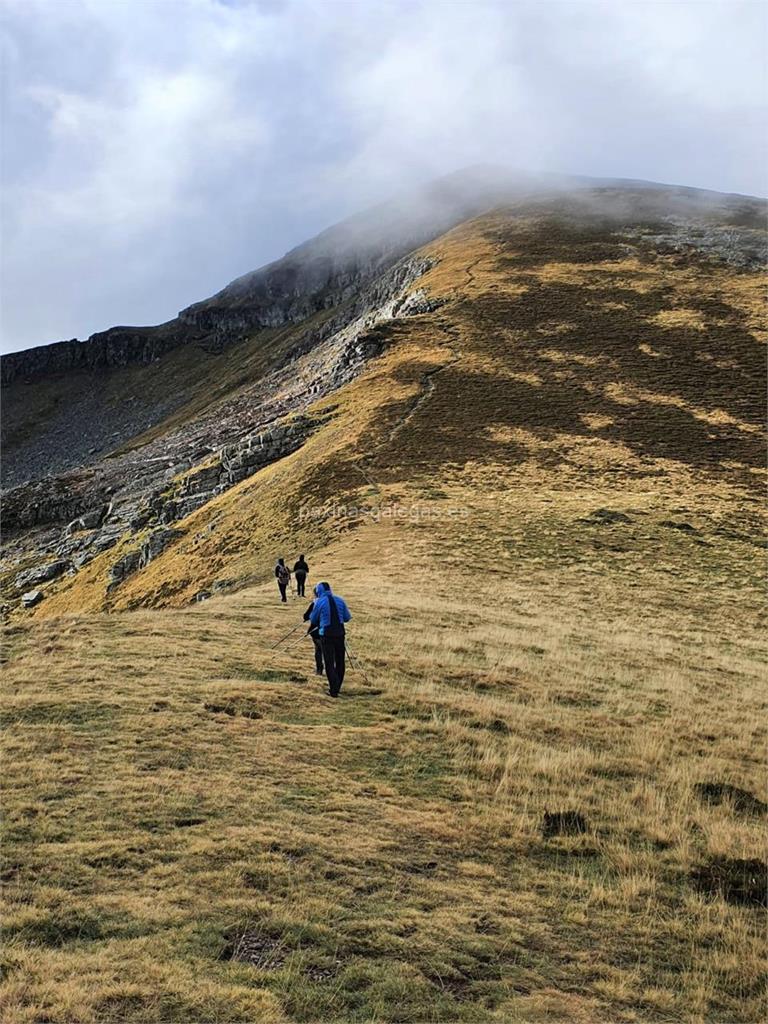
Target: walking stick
[(355, 664), (290, 631), (297, 642)]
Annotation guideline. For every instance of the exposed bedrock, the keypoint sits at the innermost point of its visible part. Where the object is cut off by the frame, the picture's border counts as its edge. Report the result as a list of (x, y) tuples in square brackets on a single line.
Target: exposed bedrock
[(118, 346), (232, 464), (89, 416), (151, 547), (52, 500)]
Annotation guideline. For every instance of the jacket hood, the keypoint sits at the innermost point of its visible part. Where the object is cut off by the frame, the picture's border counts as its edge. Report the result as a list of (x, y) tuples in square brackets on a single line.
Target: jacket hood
[(323, 588)]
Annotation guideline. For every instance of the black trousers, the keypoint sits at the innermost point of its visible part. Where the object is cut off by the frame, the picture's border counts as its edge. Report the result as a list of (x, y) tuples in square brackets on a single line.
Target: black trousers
[(301, 579), (333, 653), (282, 587), (318, 653)]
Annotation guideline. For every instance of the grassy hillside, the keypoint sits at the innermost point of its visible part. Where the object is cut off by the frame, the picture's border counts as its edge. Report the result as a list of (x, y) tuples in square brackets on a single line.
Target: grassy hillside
[(196, 833), (559, 360), (542, 505)]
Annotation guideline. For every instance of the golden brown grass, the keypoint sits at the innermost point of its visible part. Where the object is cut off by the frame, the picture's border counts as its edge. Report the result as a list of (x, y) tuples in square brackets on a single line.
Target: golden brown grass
[(172, 783)]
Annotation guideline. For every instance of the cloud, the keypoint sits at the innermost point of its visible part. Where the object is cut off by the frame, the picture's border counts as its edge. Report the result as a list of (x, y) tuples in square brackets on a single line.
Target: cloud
[(154, 151)]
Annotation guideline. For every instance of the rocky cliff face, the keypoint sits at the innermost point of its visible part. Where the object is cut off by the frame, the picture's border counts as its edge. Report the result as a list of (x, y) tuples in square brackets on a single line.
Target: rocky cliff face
[(116, 347), (322, 274), (91, 411), (68, 518), (287, 292)]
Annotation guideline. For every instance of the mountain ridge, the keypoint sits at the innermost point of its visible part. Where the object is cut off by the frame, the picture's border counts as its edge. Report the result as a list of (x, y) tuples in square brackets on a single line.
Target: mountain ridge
[(662, 374), (311, 276)]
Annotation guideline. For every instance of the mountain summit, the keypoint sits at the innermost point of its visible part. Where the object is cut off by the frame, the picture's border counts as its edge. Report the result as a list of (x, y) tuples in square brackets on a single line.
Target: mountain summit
[(559, 327)]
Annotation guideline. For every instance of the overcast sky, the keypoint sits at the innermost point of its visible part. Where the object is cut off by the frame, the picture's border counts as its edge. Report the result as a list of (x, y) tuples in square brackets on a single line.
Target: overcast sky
[(155, 149)]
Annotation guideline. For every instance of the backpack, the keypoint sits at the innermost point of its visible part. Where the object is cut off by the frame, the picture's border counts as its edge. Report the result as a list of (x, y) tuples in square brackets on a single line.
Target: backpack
[(283, 573), (335, 627)]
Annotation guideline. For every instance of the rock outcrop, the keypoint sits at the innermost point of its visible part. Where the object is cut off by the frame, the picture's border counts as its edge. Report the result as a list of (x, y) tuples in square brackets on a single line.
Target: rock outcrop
[(41, 574), (118, 346), (50, 500), (153, 545)]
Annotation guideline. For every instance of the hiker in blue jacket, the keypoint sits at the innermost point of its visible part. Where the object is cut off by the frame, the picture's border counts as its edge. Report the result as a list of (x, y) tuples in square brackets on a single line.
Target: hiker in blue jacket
[(329, 614)]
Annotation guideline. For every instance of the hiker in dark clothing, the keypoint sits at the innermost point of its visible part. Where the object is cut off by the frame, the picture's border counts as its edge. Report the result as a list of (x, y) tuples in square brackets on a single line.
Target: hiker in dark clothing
[(300, 570), (283, 576), (329, 615), (314, 633)]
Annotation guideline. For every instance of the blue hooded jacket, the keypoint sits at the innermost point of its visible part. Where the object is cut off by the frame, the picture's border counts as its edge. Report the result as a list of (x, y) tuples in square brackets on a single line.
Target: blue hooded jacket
[(321, 613)]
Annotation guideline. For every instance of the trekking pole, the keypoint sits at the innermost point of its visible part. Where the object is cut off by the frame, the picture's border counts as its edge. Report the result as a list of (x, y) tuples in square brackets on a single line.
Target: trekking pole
[(290, 631), (356, 666)]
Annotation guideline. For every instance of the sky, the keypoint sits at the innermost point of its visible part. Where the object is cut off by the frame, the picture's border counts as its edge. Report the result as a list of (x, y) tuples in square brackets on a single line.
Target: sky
[(152, 150)]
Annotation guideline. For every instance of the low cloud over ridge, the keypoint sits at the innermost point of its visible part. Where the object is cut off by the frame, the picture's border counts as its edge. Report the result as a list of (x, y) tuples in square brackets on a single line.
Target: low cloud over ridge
[(154, 151)]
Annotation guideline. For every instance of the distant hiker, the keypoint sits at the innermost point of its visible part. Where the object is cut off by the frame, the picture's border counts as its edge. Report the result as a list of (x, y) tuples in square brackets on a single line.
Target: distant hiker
[(329, 615), (283, 576), (300, 570), (314, 633)]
